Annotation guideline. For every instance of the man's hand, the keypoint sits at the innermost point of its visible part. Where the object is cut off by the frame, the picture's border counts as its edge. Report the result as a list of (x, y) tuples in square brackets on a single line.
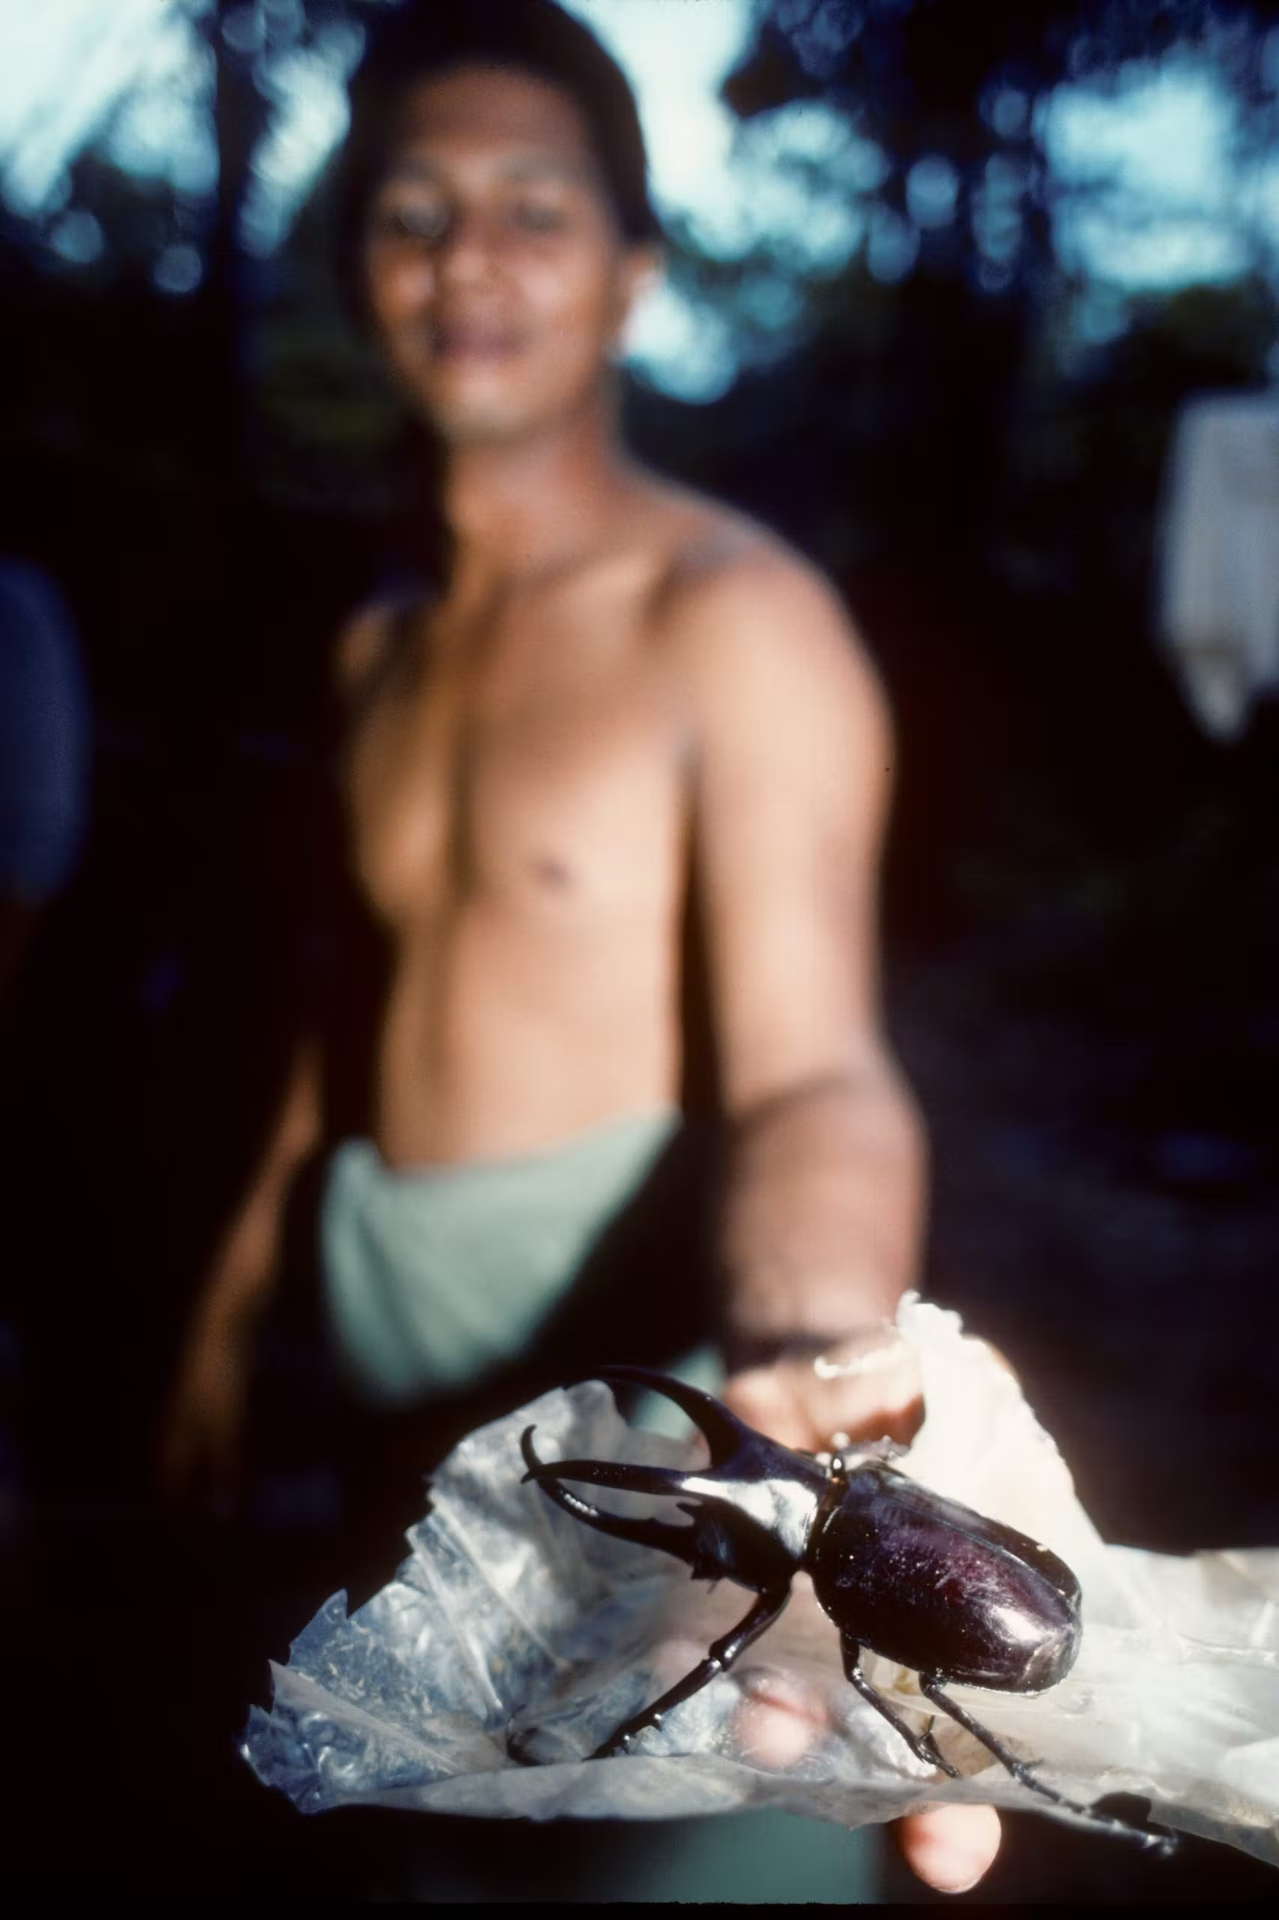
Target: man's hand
[(202, 1430), (867, 1389), (949, 1848), (864, 1387)]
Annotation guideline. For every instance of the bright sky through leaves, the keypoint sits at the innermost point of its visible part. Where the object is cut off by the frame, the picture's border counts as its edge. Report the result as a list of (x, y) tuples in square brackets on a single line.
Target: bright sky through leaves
[(1158, 194)]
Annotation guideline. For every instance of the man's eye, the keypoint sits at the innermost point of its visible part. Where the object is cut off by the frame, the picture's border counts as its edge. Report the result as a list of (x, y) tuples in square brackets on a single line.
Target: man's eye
[(413, 223), (537, 217)]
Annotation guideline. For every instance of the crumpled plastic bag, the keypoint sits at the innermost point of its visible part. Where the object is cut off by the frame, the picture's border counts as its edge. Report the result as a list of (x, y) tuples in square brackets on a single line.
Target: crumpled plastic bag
[(510, 1619)]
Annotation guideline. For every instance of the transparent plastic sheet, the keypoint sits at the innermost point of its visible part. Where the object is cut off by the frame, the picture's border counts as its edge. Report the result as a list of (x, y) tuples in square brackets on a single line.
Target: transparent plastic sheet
[(510, 1617)]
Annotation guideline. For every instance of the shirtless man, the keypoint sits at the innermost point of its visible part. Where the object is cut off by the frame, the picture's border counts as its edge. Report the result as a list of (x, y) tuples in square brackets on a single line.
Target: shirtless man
[(621, 691)]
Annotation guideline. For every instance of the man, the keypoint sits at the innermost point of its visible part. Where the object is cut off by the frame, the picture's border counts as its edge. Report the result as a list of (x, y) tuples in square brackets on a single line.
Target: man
[(623, 701)]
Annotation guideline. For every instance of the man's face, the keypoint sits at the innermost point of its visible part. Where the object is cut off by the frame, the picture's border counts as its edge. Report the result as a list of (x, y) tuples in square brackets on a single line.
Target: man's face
[(497, 280)]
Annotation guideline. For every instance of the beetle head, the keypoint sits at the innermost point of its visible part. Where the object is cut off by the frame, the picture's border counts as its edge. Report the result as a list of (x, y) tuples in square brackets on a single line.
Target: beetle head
[(752, 1506)]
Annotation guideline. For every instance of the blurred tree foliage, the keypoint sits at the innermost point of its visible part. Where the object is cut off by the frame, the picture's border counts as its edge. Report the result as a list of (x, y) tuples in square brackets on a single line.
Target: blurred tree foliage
[(964, 385), (984, 477), (940, 402)]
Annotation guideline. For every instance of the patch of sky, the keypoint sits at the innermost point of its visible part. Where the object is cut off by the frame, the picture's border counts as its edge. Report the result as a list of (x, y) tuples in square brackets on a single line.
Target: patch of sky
[(788, 184), (77, 238), (799, 176), (138, 78), (993, 276), (287, 15), (1006, 110), (681, 347), (163, 127), (807, 223), (1166, 127), (822, 32), (892, 246), (1164, 253), (932, 190), (676, 57), (1269, 63), (307, 86), (244, 28), (1259, 215), (58, 195), (63, 71), (997, 217), (178, 269), (1100, 315), (773, 303), (1153, 189)]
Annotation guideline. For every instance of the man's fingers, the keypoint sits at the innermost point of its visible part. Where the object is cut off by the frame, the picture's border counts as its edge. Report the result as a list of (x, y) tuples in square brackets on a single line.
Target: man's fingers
[(949, 1847), (765, 1399), (779, 1720), (795, 1405), (870, 1389)]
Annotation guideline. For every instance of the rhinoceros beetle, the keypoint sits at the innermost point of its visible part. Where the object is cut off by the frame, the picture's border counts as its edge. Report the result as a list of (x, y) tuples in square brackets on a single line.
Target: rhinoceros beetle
[(926, 1582)]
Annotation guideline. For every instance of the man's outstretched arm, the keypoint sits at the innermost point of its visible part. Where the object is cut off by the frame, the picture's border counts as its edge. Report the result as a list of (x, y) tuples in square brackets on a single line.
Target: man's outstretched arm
[(823, 1207), (824, 1197)]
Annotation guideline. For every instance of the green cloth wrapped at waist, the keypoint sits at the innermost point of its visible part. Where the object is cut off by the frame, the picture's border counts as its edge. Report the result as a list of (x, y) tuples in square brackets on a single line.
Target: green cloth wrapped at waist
[(437, 1276)]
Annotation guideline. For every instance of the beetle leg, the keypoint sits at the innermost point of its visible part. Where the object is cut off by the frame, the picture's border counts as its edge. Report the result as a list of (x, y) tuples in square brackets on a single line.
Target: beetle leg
[(922, 1745), (930, 1685), (719, 1659)]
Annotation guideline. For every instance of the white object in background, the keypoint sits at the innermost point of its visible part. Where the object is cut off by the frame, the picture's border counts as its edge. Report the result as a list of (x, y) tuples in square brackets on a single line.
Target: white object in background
[(1218, 572)]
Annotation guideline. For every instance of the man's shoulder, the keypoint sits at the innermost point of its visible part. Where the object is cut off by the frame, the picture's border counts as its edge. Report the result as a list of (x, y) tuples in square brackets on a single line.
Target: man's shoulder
[(367, 637), (735, 598)]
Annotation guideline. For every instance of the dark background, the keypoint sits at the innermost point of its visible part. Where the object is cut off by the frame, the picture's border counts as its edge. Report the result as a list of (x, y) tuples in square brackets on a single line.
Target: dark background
[(1080, 891)]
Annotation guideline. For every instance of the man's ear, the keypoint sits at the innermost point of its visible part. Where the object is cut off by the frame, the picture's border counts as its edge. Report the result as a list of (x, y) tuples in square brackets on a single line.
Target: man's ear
[(640, 273)]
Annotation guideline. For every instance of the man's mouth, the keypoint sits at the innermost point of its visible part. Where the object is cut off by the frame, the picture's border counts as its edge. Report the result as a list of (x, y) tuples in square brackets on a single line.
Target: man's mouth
[(451, 341)]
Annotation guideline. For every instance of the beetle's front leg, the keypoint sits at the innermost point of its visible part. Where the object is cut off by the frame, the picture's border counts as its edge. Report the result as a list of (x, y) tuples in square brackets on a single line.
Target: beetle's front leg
[(719, 1659), (922, 1745)]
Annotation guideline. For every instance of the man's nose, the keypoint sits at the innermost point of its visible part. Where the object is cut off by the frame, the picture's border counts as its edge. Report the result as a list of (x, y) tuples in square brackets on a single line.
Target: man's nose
[(465, 250)]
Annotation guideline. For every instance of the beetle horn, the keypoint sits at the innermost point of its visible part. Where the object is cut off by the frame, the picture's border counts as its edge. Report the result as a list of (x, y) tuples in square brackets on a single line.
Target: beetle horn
[(724, 1432), (613, 1473), (642, 1533)]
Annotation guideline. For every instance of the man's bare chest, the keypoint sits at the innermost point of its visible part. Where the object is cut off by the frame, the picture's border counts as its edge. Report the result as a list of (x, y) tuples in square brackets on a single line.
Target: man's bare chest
[(548, 783)]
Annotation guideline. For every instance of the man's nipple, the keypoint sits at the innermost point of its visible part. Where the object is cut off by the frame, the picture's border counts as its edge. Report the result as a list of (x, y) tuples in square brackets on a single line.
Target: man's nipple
[(551, 872)]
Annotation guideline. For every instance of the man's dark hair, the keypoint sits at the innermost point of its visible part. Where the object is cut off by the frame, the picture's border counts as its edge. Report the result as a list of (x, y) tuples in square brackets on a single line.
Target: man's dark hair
[(421, 38)]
